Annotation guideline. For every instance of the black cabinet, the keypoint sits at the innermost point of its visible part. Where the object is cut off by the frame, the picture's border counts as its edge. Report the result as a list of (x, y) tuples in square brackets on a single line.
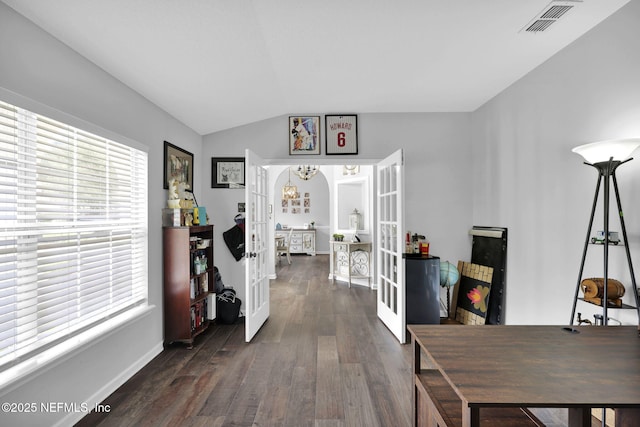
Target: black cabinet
[(422, 289)]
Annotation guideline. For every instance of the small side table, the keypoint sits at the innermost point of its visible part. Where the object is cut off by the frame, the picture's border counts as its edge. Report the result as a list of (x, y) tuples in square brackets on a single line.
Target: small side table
[(355, 256)]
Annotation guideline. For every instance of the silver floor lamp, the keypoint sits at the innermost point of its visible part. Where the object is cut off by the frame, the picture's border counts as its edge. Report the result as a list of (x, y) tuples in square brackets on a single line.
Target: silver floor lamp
[(606, 157)]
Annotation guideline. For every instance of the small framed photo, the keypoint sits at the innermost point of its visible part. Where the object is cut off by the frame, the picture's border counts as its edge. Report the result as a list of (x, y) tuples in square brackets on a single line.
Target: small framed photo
[(178, 164), (304, 135), (341, 134), (227, 172)]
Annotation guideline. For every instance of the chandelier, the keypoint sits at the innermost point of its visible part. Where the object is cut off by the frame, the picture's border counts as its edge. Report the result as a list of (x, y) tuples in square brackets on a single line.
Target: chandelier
[(306, 172), (289, 191)]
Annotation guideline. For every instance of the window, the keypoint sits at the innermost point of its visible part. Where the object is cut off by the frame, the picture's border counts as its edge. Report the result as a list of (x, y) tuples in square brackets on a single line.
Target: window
[(73, 232)]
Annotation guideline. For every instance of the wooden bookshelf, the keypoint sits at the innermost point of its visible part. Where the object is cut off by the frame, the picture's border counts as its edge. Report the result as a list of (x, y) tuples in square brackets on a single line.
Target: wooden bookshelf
[(187, 283)]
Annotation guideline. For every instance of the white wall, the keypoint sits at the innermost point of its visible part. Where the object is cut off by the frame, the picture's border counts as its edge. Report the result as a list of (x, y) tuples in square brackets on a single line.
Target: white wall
[(318, 190), (437, 151), (36, 66), (527, 179)]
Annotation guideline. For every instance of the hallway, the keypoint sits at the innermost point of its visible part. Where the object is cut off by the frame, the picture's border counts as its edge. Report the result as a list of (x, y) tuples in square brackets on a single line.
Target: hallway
[(322, 359)]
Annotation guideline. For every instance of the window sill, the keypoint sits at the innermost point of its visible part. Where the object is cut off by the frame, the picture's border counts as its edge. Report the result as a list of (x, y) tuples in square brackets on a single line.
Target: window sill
[(27, 370)]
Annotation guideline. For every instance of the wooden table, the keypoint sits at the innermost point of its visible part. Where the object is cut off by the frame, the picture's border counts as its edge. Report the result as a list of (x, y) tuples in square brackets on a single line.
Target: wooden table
[(483, 369)]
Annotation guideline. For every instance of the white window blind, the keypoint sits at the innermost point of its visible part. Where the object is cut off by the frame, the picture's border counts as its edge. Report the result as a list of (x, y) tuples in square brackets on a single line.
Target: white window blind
[(73, 232)]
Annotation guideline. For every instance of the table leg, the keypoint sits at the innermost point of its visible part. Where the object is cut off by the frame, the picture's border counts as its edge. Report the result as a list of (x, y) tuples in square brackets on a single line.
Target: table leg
[(350, 265), (333, 262), (369, 268), (470, 415), (627, 417), (416, 369), (579, 417)]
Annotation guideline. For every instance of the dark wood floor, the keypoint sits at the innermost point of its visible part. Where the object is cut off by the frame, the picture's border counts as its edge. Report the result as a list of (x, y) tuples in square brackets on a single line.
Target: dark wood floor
[(322, 359)]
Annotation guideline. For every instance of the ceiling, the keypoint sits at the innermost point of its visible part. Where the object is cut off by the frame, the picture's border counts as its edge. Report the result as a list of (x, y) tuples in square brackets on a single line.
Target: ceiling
[(218, 64)]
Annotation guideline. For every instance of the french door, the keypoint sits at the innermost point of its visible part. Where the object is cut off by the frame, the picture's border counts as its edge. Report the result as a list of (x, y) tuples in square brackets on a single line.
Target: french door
[(257, 255), (389, 245)]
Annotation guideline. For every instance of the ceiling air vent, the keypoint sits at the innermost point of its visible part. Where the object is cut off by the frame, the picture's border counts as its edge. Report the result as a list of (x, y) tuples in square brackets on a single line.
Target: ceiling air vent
[(550, 14)]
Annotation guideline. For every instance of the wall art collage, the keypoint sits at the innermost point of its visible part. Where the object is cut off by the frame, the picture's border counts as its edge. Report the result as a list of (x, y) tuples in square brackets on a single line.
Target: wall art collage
[(297, 206)]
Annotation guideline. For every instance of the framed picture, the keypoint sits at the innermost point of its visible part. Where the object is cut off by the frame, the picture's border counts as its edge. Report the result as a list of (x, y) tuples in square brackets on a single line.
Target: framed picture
[(342, 134), (304, 135), (227, 172), (178, 164)]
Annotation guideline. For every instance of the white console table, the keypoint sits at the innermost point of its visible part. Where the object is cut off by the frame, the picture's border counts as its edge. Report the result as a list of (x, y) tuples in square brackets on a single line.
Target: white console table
[(303, 240), (351, 259)]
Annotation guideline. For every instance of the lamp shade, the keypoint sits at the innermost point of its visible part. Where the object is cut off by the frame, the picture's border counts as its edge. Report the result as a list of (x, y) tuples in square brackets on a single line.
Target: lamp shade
[(619, 149), (289, 191)]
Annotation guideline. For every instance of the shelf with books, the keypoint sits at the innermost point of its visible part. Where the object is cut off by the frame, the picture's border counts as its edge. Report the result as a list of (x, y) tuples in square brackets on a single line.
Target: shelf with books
[(188, 282)]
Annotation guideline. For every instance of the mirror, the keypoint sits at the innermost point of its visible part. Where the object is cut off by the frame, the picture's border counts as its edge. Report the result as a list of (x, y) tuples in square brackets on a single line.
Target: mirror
[(351, 194)]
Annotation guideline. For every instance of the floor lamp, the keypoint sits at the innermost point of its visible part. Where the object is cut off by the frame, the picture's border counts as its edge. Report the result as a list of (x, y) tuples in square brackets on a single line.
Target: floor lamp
[(606, 157)]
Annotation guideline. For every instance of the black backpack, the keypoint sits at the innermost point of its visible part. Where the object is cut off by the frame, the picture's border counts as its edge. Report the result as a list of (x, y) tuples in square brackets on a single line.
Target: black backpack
[(228, 307)]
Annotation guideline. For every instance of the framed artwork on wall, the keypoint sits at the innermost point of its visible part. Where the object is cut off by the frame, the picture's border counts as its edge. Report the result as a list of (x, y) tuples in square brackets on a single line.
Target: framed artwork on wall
[(178, 164), (341, 134), (227, 172), (304, 135)]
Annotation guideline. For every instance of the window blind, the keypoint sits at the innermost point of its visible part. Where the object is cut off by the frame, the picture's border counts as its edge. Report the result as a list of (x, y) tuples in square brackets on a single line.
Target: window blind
[(73, 232)]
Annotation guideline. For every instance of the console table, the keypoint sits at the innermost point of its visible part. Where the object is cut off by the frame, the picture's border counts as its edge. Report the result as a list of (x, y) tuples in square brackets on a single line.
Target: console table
[(303, 240), (352, 259), (492, 373)]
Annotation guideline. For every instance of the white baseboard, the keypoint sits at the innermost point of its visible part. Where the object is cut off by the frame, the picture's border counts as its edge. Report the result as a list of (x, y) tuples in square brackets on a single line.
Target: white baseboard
[(354, 281), (99, 396)]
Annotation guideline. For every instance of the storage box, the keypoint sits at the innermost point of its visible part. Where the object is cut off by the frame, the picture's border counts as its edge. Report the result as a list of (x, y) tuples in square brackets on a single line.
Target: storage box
[(211, 306), (200, 216), (175, 217)]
